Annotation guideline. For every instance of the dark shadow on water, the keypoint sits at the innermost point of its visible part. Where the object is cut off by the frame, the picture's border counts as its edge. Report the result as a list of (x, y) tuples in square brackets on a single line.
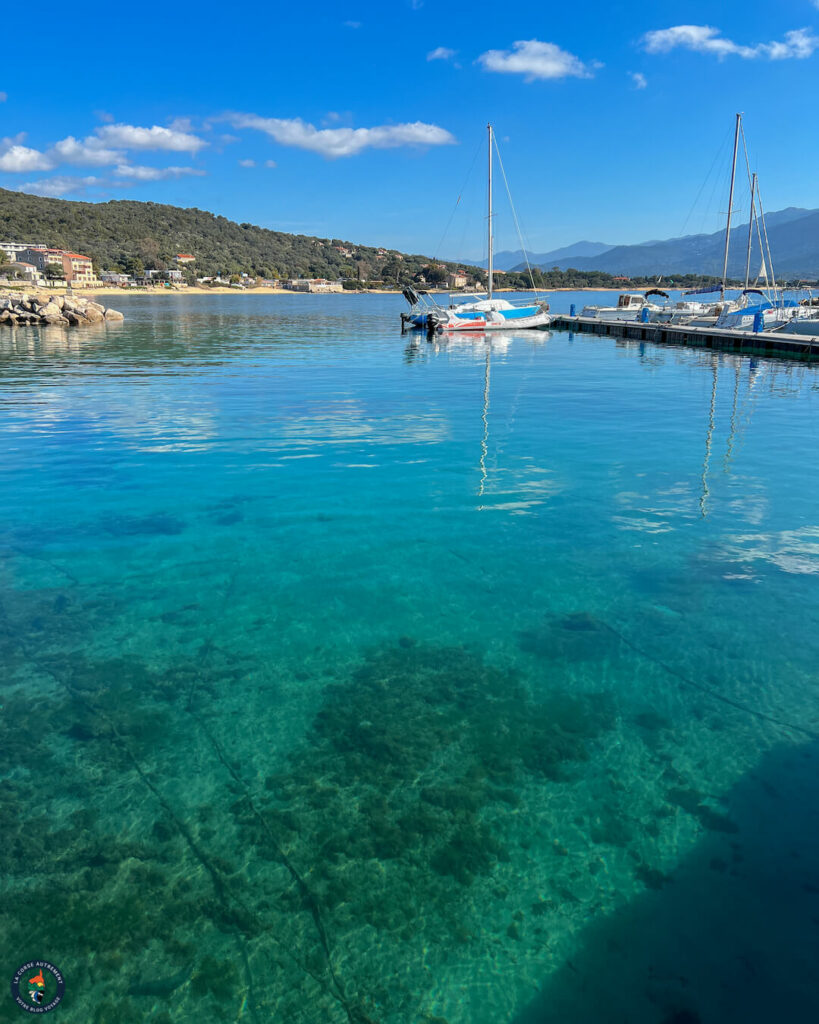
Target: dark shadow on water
[(733, 937)]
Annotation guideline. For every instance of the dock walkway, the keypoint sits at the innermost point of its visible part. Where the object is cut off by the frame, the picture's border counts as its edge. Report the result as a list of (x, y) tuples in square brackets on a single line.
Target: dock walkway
[(765, 343)]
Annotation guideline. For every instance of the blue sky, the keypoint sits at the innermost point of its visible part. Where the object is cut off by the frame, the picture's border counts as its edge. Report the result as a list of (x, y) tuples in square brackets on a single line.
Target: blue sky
[(361, 120)]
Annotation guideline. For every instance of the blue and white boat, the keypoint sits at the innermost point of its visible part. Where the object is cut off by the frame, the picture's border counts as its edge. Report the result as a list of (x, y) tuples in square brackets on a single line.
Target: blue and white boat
[(484, 312)]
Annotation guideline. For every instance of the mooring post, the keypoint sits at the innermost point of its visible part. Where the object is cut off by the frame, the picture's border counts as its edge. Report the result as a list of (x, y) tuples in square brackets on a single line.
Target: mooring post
[(758, 322), (572, 310)]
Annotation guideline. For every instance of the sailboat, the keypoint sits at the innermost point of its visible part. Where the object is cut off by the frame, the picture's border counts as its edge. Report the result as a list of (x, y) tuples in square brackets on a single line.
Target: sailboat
[(484, 312)]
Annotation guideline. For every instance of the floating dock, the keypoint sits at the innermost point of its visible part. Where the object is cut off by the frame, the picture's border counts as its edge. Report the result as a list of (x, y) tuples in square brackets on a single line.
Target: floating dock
[(765, 343)]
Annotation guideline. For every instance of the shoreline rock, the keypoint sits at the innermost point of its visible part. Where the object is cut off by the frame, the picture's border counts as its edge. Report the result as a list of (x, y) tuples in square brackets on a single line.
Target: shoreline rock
[(21, 309)]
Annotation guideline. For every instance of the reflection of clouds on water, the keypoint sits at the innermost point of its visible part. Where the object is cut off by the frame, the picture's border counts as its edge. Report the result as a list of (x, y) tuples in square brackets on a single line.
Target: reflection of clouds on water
[(524, 488), (655, 513), (675, 506), (642, 525), (138, 418), (349, 421), (792, 551)]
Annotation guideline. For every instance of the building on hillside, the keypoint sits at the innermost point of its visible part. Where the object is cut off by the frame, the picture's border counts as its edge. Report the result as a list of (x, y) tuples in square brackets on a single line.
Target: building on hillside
[(41, 257), (78, 269), (26, 270), (184, 257), (621, 277), (112, 277), (312, 284), (457, 279), (160, 277), (14, 250)]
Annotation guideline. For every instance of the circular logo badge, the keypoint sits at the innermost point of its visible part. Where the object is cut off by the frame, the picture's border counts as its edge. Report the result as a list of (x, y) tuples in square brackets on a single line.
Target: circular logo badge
[(37, 986)]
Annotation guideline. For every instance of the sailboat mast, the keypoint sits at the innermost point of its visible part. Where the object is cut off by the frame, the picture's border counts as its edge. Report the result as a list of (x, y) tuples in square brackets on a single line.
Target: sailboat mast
[(489, 218), (730, 205), (750, 229)]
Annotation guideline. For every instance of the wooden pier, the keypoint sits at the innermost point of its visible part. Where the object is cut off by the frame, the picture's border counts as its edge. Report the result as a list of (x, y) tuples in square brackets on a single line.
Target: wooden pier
[(765, 343)]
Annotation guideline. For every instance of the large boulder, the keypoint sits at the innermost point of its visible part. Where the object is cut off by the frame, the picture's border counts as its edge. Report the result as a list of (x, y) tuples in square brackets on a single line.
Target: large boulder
[(113, 314), (75, 319), (92, 314), (50, 309), (54, 318)]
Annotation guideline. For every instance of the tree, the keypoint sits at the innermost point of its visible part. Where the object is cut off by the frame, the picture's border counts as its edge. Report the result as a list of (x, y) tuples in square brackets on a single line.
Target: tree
[(4, 257), (54, 272)]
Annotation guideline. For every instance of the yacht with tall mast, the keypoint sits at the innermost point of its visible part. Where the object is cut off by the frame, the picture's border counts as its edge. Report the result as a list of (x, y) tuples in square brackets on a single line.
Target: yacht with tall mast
[(482, 312)]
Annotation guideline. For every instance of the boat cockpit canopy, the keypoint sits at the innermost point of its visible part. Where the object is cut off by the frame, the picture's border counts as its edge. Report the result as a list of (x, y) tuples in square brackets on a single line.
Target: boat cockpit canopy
[(628, 299)]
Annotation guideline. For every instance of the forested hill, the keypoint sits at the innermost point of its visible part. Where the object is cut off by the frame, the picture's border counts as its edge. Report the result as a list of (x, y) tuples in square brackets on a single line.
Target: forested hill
[(129, 236)]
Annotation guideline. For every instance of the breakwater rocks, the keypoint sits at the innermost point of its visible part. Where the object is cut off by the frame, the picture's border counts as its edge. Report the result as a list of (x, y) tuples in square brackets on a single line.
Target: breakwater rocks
[(22, 309)]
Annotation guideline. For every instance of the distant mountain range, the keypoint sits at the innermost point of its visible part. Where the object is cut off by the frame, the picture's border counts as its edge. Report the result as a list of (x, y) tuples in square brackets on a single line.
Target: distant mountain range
[(793, 235), (509, 260)]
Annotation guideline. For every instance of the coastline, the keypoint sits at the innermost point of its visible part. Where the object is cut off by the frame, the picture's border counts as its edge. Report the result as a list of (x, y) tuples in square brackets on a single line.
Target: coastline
[(146, 293), (92, 293)]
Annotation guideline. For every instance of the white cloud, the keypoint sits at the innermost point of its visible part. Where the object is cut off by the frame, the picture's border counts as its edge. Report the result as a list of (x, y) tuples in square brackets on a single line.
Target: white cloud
[(128, 136), (16, 158), (247, 163), (181, 124), (535, 60), (337, 142), (352, 24), (270, 163), (799, 43), (154, 173), (58, 186), (3, 97), (638, 79), (441, 53), (71, 151)]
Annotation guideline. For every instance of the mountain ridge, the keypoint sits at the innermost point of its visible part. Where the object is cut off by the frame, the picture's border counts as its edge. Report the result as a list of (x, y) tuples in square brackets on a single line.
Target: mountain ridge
[(127, 235), (793, 234)]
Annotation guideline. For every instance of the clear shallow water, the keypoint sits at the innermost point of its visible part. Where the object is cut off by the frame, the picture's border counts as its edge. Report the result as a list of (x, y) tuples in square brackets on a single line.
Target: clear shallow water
[(354, 677)]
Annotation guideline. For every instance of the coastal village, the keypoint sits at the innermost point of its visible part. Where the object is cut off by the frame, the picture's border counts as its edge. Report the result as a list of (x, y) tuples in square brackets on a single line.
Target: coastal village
[(41, 266)]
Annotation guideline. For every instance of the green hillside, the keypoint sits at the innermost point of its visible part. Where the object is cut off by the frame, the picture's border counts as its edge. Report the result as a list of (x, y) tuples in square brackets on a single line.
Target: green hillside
[(130, 236)]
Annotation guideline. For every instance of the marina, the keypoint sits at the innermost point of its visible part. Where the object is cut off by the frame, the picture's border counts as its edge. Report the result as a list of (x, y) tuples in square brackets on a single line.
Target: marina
[(761, 343)]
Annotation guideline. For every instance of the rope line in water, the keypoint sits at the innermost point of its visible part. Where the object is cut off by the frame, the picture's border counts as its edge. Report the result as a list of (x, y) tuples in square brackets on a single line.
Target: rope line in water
[(223, 894), (782, 723), (354, 1014)]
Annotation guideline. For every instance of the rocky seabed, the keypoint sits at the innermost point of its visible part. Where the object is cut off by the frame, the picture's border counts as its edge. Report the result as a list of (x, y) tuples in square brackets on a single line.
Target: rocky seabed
[(64, 310)]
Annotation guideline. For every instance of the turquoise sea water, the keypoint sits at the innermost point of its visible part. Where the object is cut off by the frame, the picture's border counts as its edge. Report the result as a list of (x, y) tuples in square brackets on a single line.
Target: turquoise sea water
[(351, 677)]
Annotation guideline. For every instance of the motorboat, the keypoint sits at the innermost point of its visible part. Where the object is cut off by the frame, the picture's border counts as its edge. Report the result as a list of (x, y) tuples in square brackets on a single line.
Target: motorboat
[(630, 306)]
